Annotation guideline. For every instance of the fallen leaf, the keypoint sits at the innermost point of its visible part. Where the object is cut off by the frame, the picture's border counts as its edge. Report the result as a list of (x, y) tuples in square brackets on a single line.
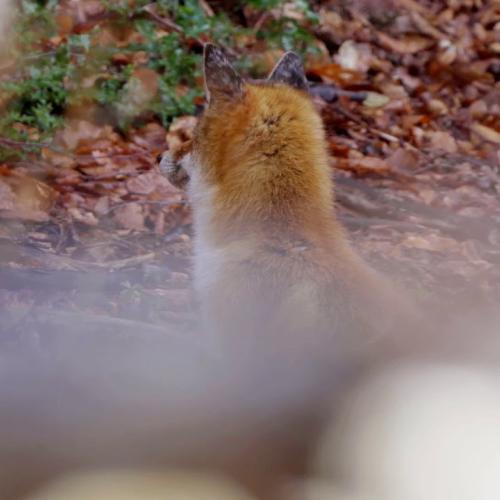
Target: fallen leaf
[(431, 242), (144, 183), (180, 131), (437, 107), (403, 160), (58, 159), (335, 73), (407, 44), (83, 216), (478, 108), (485, 132), (29, 196), (130, 216), (79, 132), (443, 141), (375, 100), (64, 23), (93, 8), (363, 165)]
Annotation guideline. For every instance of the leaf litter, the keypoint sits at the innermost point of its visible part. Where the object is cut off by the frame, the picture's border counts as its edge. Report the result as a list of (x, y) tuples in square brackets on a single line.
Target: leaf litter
[(409, 95)]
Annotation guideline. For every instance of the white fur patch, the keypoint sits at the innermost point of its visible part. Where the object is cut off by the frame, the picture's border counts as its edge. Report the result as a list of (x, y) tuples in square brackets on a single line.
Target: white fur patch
[(208, 259)]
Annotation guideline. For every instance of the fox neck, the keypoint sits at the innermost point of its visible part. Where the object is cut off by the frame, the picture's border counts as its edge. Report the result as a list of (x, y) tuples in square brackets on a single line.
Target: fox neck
[(283, 206)]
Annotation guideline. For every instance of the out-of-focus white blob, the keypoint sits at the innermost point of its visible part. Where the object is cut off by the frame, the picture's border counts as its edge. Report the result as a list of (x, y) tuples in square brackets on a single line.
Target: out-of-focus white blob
[(419, 432), (141, 485)]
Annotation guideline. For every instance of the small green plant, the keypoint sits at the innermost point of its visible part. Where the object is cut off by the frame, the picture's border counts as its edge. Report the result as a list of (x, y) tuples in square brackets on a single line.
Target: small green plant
[(38, 98), (289, 32)]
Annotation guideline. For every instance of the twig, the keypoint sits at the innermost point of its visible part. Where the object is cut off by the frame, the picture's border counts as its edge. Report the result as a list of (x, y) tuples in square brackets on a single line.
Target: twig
[(380, 133), (167, 23), (425, 26), (262, 19), (163, 21), (206, 8)]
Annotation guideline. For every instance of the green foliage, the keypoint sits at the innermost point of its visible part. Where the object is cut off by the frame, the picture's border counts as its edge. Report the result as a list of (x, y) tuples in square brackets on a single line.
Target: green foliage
[(194, 21), (109, 90), (50, 78), (287, 32), (39, 98)]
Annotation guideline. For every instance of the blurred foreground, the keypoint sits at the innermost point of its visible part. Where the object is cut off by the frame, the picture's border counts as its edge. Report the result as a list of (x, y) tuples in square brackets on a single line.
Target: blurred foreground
[(153, 417)]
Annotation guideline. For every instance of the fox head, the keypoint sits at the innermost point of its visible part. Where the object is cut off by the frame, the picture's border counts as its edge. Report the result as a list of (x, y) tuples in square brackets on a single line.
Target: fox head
[(259, 148)]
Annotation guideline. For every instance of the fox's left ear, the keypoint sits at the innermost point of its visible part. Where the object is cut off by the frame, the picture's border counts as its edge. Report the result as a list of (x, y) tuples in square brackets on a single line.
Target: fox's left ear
[(289, 70), (221, 80)]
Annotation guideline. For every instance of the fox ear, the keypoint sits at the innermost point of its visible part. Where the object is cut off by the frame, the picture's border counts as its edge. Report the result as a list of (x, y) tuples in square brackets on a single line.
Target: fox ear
[(221, 79), (289, 70)]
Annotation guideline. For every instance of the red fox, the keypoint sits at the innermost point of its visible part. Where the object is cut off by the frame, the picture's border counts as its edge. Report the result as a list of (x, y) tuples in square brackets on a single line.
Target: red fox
[(271, 259)]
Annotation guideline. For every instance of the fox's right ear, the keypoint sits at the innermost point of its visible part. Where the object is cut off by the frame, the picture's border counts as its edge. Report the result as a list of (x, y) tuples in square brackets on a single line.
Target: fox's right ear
[(289, 70), (221, 79)]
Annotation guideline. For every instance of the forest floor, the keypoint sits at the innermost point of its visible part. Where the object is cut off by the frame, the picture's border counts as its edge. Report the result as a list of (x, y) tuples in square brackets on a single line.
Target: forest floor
[(91, 231)]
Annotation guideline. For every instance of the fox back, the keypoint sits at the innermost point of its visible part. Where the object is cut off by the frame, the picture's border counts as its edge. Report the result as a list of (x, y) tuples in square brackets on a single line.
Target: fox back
[(273, 265)]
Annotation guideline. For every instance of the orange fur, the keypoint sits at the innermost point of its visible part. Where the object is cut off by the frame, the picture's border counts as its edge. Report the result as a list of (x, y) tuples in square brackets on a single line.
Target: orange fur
[(272, 262)]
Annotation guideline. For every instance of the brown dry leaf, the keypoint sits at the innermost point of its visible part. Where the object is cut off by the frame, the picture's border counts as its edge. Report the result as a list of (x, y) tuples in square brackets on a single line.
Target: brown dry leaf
[(478, 108), (447, 54), (58, 159), (335, 73), (180, 131), (437, 107), (152, 137), (485, 132), (443, 141), (64, 23), (83, 216), (425, 27), (403, 160), (143, 184), (93, 8), (130, 216), (363, 165), (408, 44), (31, 196), (431, 242), (80, 132), (149, 80)]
